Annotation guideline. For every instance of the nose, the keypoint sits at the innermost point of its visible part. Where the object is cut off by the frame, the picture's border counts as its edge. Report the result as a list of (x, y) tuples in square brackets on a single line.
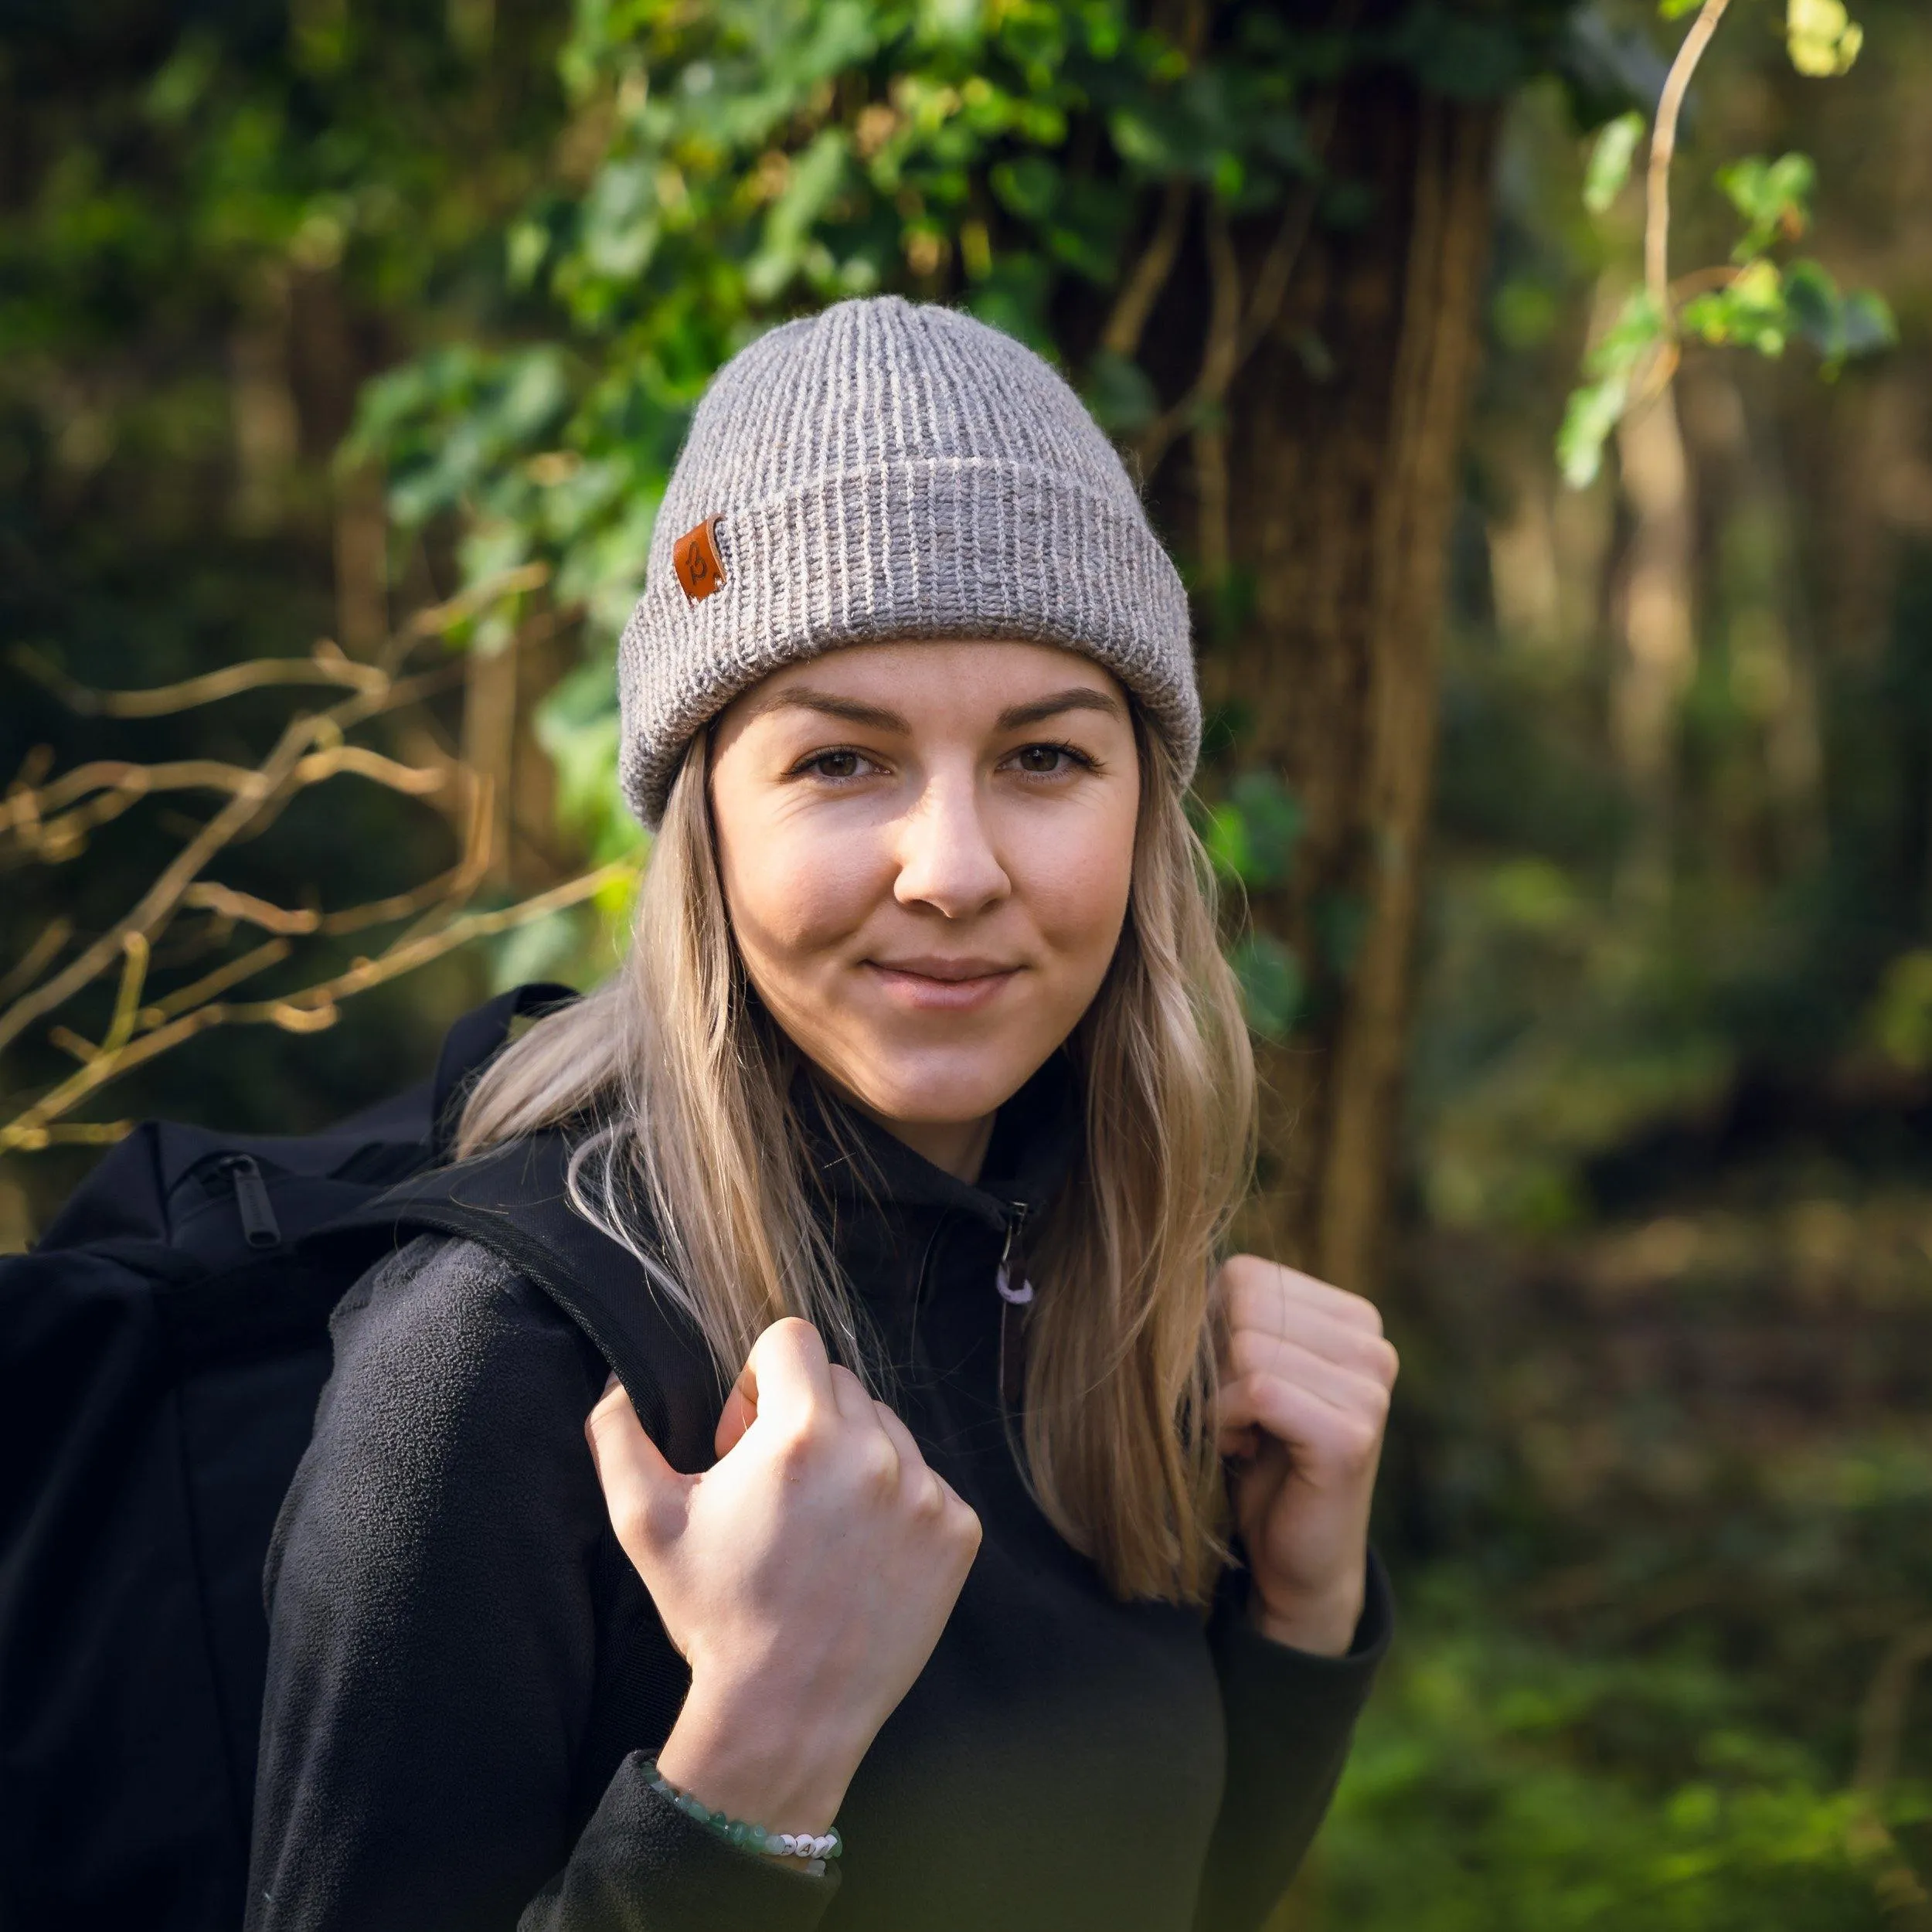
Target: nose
[(946, 859)]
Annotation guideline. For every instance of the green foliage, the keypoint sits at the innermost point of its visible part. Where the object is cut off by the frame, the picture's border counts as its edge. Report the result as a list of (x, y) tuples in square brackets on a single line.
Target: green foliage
[(1822, 38), (1273, 986), (1490, 1761), (1610, 159), (1774, 197), (1758, 305), (1595, 409)]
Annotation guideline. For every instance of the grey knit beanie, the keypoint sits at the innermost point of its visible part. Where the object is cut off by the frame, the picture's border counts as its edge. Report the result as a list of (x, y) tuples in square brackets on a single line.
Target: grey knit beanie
[(885, 471)]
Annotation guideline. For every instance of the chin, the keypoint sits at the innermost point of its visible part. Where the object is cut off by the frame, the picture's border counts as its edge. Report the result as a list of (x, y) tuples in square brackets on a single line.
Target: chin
[(937, 1093)]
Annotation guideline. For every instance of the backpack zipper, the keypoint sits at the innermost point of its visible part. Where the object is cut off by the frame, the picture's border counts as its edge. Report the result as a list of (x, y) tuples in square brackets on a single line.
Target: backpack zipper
[(252, 1203)]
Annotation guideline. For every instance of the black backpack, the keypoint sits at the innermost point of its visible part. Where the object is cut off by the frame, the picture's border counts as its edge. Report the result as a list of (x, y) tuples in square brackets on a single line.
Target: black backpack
[(161, 1350)]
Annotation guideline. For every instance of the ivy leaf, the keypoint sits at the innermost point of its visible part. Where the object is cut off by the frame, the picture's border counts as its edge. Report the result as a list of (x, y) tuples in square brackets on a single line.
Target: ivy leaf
[(1609, 160), (1251, 837), (1774, 198), (1822, 38), (1119, 393), (1594, 411), (1840, 327), (1273, 986), (1754, 310)]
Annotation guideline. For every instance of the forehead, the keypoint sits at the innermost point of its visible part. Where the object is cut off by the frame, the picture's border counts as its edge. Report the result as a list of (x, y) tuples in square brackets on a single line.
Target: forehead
[(952, 674)]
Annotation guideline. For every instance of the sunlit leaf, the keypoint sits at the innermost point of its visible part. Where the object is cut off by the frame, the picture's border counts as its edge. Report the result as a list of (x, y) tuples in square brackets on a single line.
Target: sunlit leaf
[(1610, 159), (1823, 38)]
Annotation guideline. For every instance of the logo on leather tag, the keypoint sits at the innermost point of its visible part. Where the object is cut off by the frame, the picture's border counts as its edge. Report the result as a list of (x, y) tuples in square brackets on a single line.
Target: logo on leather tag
[(695, 558)]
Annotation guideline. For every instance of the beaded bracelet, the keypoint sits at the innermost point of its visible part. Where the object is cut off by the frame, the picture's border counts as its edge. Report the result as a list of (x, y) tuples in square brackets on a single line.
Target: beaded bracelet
[(815, 1849)]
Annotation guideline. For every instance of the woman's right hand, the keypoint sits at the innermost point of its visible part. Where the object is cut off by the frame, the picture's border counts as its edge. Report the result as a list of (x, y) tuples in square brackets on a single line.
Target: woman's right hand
[(805, 1577)]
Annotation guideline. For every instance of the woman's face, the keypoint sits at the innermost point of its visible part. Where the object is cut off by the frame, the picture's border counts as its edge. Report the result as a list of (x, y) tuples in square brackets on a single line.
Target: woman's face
[(926, 851)]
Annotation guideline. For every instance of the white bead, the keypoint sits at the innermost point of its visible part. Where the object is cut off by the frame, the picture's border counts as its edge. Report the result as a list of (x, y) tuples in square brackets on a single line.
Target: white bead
[(787, 1843)]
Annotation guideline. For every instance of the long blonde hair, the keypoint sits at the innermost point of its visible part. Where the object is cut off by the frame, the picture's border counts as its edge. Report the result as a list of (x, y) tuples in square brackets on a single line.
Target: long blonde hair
[(694, 1158)]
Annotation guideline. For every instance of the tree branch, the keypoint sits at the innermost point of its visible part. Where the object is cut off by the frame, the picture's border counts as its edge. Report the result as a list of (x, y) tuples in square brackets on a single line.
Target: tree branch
[(1141, 290), (313, 1009)]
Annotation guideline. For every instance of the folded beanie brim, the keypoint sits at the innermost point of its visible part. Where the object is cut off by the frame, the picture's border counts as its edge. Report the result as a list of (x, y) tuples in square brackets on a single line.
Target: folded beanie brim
[(915, 549)]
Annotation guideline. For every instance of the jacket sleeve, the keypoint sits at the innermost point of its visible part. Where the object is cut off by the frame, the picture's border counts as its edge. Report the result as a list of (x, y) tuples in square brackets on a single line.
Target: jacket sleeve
[(1290, 1717), (433, 1647)]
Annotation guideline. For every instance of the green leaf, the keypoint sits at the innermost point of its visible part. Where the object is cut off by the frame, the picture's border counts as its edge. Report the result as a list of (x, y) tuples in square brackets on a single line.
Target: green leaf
[(1636, 331), (1594, 410), (1119, 393), (1773, 197), (1869, 324), (1251, 836), (1273, 989), (1753, 310), (1822, 38), (1610, 159)]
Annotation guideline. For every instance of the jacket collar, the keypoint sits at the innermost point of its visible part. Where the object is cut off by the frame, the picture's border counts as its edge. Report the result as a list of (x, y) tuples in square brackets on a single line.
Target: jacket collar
[(1037, 1139)]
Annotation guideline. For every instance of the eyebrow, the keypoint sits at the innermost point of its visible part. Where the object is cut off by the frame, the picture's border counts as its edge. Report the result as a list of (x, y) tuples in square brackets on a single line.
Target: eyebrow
[(805, 697)]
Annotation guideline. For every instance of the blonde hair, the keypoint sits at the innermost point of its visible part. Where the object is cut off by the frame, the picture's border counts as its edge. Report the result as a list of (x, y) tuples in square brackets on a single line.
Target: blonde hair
[(692, 1154)]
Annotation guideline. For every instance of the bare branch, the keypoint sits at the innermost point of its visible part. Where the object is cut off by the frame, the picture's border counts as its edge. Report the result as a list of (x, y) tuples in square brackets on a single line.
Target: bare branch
[(158, 902), (270, 953), (1663, 146), (1149, 274), (311, 1010), (1226, 354), (240, 908), (37, 959), (257, 674)]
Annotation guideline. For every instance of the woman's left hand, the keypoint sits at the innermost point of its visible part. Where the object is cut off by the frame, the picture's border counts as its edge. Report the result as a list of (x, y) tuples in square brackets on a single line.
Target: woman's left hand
[(1305, 1377)]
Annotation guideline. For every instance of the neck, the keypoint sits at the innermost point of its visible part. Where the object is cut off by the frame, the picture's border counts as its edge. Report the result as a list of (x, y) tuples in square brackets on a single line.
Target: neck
[(958, 1148)]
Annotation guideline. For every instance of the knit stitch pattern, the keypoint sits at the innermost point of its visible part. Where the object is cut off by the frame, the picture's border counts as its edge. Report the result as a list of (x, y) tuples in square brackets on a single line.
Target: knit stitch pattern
[(885, 471)]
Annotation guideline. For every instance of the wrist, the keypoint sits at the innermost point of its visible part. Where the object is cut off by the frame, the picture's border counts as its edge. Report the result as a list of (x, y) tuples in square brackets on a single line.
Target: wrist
[(744, 1753), (1322, 1625)]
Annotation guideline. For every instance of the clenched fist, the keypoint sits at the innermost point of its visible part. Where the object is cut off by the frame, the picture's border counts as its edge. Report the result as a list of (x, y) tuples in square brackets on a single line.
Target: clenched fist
[(805, 1577), (1305, 1379)]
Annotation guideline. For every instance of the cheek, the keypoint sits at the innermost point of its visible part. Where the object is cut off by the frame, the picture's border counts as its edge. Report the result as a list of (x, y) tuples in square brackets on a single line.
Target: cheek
[(793, 892), (1078, 882)]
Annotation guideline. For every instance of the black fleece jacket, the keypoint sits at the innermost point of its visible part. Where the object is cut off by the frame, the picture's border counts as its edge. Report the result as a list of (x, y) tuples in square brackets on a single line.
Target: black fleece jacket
[(465, 1673)]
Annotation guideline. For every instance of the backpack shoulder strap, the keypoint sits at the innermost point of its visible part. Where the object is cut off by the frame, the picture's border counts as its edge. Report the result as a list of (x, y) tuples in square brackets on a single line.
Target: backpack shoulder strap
[(515, 1201)]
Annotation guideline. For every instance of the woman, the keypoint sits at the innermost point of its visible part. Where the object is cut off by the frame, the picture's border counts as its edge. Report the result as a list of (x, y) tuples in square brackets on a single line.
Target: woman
[(924, 1102)]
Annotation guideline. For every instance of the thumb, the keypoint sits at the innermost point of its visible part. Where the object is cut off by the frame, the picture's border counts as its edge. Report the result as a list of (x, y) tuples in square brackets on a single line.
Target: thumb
[(645, 1496)]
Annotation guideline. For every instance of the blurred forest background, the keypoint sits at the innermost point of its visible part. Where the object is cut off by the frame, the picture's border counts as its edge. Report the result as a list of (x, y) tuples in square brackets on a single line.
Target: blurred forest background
[(1586, 831)]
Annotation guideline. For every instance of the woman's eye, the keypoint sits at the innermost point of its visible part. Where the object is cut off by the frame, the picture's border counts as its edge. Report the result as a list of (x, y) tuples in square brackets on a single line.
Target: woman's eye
[(836, 764), (1047, 761)]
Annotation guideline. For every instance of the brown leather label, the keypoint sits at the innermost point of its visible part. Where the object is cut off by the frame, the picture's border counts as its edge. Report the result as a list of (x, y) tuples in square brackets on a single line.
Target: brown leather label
[(695, 558)]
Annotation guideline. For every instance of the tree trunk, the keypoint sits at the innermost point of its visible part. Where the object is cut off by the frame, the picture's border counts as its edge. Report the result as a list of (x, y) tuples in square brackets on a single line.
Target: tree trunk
[(1342, 433)]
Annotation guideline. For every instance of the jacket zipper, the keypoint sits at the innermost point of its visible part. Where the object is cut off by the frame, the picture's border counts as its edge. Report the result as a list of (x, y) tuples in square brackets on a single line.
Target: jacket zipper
[(252, 1203), (1010, 1371), (1015, 1294)]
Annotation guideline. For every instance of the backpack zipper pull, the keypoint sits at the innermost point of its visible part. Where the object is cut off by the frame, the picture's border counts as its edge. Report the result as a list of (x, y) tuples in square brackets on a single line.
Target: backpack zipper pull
[(1022, 1292), (257, 1211)]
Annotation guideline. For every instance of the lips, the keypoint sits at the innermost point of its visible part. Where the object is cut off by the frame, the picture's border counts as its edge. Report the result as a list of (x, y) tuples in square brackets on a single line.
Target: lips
[(949, 971), (927, 984)]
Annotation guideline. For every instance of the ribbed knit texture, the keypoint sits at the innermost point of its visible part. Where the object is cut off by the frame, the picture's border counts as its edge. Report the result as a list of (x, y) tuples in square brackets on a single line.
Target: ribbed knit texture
[(888, 471)]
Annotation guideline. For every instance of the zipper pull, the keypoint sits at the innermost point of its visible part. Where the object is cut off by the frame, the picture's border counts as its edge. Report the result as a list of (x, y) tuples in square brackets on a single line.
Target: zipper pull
[(1021, 1292), (257, 1211)]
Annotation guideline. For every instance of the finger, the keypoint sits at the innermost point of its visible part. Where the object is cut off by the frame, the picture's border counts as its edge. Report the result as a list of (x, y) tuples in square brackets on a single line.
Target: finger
[(854, 1405), (1360, 1370), (1257, 1293), (1319, 1435), (1361, 1349), (1355, 1394), (643, 1494), (740, 1411), (788, 1374), (921, 1484)]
